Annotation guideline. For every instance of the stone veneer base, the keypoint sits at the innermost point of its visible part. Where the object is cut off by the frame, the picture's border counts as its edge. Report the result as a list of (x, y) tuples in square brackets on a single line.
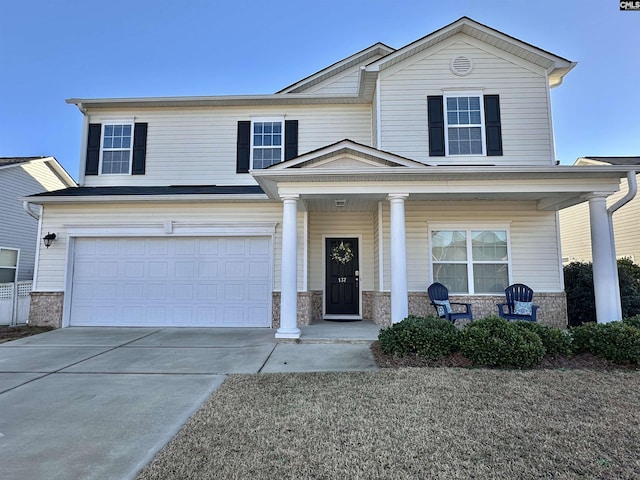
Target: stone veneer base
[(46, 309), (376, 306)]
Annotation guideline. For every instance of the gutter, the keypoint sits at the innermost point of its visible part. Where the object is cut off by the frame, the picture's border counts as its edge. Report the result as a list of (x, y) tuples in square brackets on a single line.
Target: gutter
[(633, 190), (27, 208)]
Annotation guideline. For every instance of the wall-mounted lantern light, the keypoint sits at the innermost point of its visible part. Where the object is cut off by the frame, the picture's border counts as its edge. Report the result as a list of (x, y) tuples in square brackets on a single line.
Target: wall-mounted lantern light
[(48, 239)]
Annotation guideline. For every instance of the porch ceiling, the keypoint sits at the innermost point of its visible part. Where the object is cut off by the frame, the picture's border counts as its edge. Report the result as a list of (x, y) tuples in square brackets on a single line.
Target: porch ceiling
[(553, 188)]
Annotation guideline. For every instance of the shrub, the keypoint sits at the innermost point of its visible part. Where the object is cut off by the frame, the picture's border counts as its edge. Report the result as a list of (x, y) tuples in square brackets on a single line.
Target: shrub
[(633, 321), (615, 341), (554, 340), (578, 285), (429, 337), (495, 342), (578, 280)]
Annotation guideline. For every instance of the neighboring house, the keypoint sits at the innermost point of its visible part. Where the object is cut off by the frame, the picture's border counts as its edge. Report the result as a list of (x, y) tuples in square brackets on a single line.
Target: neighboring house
[(342, 196), (19, 177), (575, 224)]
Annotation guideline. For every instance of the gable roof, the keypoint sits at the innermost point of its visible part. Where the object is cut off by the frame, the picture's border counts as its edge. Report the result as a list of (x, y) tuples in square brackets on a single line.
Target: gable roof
[(556, 66), (608, 160), (368, 155), (363, 57), (53, 164)]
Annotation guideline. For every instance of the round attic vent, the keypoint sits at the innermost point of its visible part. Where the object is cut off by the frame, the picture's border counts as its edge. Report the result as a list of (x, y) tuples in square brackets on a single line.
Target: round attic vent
[(461, 65)]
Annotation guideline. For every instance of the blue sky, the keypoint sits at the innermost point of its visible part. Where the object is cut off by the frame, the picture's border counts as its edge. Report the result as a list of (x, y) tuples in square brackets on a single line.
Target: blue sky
[(54, 50)]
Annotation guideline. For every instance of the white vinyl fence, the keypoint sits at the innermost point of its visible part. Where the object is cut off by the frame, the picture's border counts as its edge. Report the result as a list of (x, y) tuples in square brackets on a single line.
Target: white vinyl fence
[(14, 303)]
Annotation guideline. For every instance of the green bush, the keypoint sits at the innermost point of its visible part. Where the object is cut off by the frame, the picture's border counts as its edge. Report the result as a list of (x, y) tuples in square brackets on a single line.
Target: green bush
[(495, 342), (615, 341), (429, 337), (554, 340), (578, 285), (633, 321), (578, 281)]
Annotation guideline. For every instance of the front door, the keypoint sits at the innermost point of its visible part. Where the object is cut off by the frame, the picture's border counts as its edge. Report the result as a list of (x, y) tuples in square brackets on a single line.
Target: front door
[(342, 285)]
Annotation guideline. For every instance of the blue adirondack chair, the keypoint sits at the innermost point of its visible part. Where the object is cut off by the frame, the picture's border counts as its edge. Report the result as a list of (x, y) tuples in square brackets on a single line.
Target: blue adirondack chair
[(439, 296), (519, 304)]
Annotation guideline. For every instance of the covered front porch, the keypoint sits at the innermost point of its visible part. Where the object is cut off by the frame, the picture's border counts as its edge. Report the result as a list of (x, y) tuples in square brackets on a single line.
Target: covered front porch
[(392, 208)]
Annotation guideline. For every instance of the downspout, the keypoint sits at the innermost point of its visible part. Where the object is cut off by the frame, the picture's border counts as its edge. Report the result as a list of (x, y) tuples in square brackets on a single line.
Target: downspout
[(27, 208), (631, 193), (83, 144)]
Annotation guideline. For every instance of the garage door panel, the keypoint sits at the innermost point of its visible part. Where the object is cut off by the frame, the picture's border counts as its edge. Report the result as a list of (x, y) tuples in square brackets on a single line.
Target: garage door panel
[(172, 281)]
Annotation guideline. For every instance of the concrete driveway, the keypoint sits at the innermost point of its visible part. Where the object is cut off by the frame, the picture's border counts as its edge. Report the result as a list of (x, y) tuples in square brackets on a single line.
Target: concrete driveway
[(98, 403)]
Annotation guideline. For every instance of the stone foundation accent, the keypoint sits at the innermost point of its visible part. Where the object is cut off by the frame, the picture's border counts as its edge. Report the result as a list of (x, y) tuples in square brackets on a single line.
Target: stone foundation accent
[(304, 314), (46, 309), (376, 306), (552, 307)]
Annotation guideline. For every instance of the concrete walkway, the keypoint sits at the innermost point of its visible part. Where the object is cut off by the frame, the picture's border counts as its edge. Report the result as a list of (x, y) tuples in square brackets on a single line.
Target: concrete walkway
[(98, 403)]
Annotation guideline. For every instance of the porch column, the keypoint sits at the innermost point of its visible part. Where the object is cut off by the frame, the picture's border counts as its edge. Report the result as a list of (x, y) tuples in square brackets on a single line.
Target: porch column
[(399, 292), (288, 276), (604, 268)]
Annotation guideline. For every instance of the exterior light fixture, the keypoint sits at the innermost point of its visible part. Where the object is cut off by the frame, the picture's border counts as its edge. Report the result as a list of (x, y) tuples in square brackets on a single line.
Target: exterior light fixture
[(48, 239)]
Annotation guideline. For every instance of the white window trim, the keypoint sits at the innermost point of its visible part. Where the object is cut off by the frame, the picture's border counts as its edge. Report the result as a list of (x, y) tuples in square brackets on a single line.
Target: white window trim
[(127, 121), (463, 93), (468, 227), (15, 269), (255, 120)]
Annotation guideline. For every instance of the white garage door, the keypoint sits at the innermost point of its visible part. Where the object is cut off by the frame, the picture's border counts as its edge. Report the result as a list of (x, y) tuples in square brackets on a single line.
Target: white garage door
[(218, 281)]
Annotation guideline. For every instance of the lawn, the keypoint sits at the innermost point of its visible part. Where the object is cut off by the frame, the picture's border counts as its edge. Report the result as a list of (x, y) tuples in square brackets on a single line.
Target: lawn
[(436, 423)]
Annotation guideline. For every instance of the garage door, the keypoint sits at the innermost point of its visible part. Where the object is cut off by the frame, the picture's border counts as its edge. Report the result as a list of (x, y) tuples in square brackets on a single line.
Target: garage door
[(221, 281)]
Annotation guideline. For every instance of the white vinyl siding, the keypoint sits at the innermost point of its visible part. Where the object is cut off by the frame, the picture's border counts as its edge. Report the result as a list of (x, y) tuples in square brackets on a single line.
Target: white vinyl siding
[(524, 112), (336, 224), (52, 262), (343, 83), (21, 181), (575, 229), (201, 143), (532, 233)]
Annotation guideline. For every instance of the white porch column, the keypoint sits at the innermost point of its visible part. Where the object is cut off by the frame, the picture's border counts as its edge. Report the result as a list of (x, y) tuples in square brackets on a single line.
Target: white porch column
[(288, 276), (399, 291), (604, 268)]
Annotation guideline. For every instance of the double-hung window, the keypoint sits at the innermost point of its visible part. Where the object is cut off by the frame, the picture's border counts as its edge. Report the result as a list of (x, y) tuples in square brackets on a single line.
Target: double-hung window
[(464, 127), (470, 260), (267, 142), (116, 152)]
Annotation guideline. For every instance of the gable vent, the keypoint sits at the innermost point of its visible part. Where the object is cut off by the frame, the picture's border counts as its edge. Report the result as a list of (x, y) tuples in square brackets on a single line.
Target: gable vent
[(461, 65)]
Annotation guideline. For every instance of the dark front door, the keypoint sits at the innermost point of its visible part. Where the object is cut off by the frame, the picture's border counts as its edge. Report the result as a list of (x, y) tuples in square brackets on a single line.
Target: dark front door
[(342, 289)]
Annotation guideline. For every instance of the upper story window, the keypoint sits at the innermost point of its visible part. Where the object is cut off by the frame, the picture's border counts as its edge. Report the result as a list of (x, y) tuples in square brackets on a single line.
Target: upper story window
[(464, 125), (267, 142), (470, 260), (116, 149)]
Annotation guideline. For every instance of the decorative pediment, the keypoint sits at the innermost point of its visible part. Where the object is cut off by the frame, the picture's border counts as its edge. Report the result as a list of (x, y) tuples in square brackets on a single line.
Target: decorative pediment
[(346, 155)]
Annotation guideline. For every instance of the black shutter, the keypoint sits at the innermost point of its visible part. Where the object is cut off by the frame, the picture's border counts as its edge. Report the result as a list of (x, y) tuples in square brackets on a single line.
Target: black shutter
[(435, 112), (93, 149), (493, 129), (139, 148), (243, 152), (290, 139)]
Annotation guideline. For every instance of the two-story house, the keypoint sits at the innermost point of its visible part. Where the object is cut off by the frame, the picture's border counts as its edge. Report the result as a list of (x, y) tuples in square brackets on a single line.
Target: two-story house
[(342, 196)]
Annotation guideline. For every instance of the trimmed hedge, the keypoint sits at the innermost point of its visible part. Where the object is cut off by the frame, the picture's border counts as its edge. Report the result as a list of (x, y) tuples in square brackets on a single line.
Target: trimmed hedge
[(495, 342), (615, 341), (429, 337), (554, 340)]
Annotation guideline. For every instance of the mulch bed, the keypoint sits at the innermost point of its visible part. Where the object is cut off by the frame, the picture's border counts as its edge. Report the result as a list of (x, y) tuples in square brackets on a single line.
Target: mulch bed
[(12, 333), (580, 361)]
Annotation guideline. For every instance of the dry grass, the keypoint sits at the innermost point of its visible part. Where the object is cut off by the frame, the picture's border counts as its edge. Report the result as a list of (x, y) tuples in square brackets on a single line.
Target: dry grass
[(436, 423)]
